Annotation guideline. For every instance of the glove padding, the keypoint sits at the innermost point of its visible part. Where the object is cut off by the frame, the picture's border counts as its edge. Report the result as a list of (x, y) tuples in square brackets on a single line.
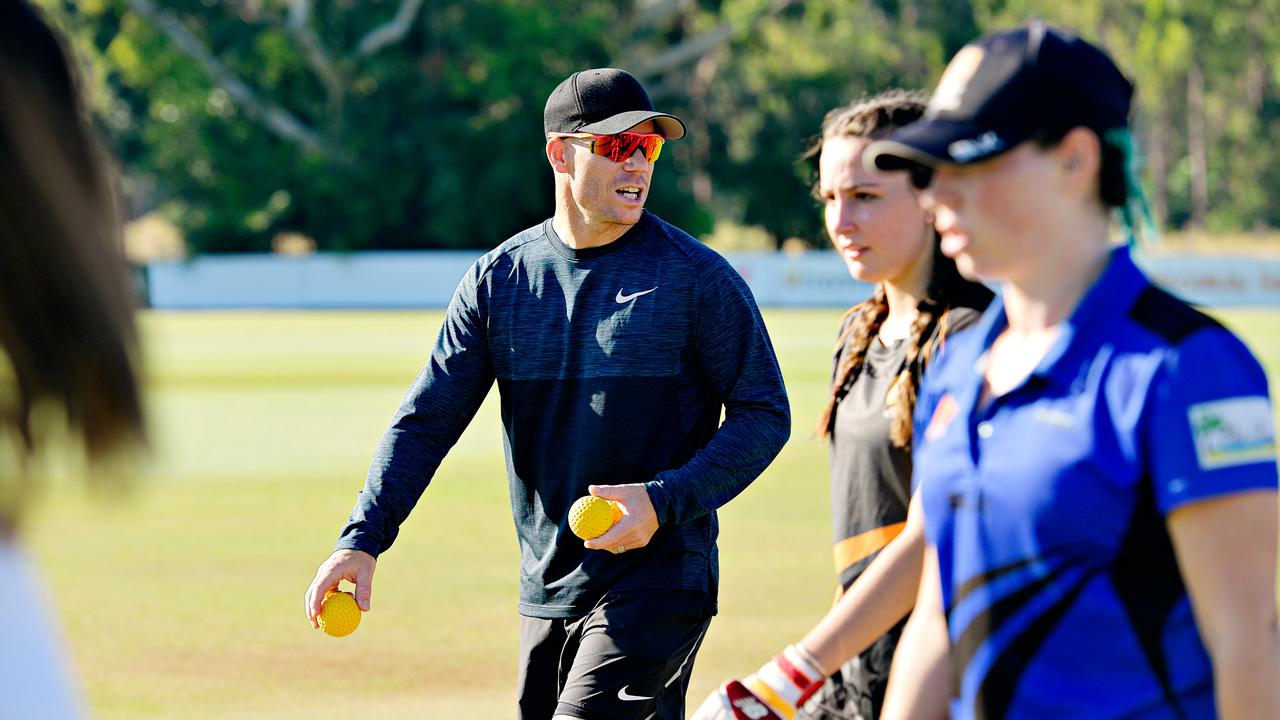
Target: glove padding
[(773, 693)]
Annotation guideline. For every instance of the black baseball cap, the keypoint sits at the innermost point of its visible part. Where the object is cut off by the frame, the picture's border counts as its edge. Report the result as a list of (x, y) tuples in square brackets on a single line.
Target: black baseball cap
[(604, 101), (1007, 88)]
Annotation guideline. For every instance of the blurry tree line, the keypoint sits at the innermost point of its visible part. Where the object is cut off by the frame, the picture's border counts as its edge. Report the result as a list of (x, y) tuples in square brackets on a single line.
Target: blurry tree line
[(411, 124)]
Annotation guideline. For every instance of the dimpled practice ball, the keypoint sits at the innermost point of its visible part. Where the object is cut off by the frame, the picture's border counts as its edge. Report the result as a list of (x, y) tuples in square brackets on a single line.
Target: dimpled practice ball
[(591, 517), (339, 614)]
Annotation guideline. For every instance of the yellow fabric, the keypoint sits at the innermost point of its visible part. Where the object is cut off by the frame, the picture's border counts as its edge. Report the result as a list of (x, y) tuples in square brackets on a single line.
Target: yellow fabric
[(767, 694), (863, 545)]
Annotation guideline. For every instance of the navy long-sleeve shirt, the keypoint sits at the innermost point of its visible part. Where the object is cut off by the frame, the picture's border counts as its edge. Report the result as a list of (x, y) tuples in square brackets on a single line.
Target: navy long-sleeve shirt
[(613, 364)]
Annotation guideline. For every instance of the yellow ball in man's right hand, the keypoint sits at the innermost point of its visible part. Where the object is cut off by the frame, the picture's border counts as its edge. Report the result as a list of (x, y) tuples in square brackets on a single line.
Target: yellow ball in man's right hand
[(339, 614)]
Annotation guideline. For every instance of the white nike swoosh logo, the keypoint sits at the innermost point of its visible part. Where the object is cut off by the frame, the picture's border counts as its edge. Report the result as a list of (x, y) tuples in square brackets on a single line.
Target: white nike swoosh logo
[(628, 298), (628, 697)]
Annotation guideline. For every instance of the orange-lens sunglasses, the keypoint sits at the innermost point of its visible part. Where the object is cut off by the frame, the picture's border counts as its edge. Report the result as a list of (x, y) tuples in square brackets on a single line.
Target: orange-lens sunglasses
[(621, 146)]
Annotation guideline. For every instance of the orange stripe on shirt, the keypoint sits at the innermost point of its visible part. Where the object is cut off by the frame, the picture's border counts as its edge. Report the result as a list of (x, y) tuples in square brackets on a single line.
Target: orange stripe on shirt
[(863, 545)]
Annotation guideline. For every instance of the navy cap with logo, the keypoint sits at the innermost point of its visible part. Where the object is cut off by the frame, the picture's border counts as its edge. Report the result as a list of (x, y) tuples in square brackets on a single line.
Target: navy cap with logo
[(1007, 88), (604, 101)]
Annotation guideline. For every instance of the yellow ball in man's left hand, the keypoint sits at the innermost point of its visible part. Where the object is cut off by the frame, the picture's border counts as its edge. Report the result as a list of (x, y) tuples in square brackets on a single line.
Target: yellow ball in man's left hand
[(591, 516)]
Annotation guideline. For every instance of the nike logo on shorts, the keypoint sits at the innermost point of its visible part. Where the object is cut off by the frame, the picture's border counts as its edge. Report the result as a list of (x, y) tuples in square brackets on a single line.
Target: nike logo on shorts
[(620, 299), (626, 696)]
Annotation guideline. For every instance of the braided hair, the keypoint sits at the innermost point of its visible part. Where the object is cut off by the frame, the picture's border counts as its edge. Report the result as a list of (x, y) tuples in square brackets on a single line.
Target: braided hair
[(873, 118)]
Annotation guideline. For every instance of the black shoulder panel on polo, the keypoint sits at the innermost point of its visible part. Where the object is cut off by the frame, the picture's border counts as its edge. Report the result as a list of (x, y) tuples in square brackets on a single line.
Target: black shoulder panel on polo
[(1167, 316)]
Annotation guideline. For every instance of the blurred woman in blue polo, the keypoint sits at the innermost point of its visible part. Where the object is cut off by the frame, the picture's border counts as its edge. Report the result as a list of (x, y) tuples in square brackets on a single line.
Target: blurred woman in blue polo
[(1096, 459)]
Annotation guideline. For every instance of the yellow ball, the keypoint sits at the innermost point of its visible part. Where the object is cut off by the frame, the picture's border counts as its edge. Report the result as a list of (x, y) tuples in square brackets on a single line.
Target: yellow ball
[(591, 517), (339, 614)]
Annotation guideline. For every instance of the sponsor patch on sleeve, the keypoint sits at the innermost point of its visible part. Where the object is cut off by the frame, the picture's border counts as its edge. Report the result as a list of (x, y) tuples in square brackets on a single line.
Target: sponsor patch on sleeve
[(1233, 431)]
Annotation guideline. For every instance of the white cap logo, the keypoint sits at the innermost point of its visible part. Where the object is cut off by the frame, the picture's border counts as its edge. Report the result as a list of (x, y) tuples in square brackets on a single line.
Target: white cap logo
[(981, 146)]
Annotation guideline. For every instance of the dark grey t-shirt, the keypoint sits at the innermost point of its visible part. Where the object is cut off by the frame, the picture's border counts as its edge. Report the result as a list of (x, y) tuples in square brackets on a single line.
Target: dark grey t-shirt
[(870, 493), (870, 477)]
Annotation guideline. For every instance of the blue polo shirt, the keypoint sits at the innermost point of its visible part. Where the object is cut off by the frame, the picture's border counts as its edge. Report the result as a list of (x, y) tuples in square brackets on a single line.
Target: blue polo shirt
[(1047, 506)]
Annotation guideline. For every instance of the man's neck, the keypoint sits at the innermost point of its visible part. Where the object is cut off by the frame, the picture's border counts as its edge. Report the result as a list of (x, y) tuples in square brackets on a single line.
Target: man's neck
[(578, 233)]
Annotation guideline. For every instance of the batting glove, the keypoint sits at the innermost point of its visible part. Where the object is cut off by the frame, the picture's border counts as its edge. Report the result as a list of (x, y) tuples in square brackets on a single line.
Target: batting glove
[(773, 693)]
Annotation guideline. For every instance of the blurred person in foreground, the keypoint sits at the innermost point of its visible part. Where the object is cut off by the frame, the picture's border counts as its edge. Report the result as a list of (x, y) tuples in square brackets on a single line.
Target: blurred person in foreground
[(66, 331), (884, 347), (616, 340), (1096, 459)]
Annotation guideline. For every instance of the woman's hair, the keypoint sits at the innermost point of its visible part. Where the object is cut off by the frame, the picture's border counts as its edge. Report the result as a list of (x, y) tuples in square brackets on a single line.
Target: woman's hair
[(1119, 187), (66, 311), (873, 118)]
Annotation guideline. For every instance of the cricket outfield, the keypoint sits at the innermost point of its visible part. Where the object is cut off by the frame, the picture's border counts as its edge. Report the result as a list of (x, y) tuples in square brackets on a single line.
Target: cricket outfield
[(183, 596)]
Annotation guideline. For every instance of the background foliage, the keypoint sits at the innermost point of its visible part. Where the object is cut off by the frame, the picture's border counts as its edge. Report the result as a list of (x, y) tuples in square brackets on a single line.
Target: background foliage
[(407, 124)]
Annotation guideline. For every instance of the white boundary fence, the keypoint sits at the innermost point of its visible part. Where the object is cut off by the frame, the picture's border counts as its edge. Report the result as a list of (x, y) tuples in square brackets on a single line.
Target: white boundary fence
[(426, 280)]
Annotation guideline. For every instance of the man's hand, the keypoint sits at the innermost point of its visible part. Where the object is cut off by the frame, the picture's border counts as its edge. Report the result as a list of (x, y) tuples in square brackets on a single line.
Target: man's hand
[(773, 693), (352, 565), (639, 520)]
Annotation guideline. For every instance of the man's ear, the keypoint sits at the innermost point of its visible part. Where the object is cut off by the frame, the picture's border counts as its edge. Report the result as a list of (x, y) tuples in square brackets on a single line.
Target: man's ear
[(558, 155)]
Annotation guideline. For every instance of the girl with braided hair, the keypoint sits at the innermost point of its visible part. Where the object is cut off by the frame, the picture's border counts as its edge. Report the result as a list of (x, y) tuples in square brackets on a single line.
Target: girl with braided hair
[(884, 345)]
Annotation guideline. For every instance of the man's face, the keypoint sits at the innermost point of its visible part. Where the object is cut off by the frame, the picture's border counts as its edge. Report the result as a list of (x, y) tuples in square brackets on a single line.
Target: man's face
[(605, 191)]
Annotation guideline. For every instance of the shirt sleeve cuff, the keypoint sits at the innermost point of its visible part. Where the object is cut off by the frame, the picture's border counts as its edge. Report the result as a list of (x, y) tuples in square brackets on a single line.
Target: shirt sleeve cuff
[(661, 500), (1178, 492), (357, 543)]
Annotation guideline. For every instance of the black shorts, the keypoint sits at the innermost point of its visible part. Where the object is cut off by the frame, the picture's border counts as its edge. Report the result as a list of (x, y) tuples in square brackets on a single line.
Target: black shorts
[(630, 657)]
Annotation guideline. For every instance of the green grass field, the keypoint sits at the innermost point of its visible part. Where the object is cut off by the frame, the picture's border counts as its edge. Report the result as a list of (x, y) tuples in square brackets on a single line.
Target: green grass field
[(183, 598)]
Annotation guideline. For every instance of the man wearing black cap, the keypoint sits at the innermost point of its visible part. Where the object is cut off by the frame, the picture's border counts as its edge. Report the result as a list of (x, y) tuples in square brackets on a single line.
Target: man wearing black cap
[(616, 341)]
